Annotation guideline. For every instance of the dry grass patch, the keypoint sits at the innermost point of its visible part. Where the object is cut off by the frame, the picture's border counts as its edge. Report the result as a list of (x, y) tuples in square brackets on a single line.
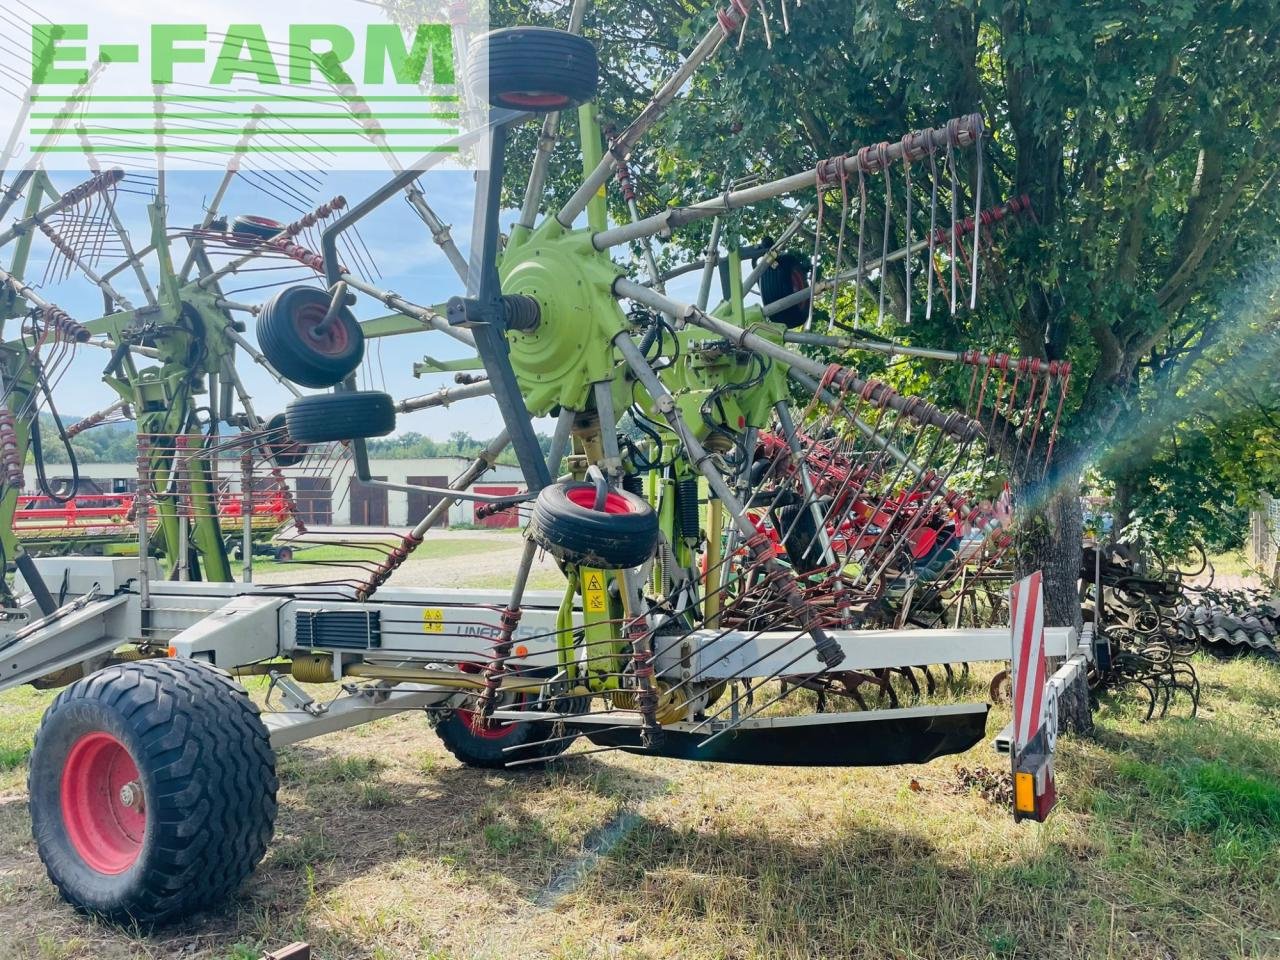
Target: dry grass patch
[(1166, 845)]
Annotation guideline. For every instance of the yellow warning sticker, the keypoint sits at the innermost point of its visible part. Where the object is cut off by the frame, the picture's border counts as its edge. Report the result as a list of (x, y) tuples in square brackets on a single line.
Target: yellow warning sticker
[(594, 599), (432, 620)]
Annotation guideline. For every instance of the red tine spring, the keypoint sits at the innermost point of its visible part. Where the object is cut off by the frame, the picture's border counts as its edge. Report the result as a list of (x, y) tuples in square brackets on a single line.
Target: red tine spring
[(64, 327)]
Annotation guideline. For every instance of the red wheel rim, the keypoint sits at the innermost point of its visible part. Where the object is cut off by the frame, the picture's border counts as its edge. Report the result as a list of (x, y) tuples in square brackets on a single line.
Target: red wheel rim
[(492, 730), (614, 503), (104, 829), (534, 99), (333, 341)]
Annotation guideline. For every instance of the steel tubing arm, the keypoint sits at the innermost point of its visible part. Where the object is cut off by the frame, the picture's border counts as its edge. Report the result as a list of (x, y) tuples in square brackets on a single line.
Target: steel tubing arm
[(769, 257), (401, 181), (728, 21), (14, 191), (445, 396), (695, 265), (967, 130), (228, 175), (875, 346), (398, 303), (971, 357), (440, 231)]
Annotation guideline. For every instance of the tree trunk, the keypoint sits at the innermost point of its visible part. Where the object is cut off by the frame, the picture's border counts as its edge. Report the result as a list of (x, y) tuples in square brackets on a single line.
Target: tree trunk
[(1121, 506), (1050, 533)]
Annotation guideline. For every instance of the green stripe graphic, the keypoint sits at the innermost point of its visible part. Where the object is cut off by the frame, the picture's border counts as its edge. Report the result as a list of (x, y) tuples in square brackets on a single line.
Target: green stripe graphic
[(228, 148)]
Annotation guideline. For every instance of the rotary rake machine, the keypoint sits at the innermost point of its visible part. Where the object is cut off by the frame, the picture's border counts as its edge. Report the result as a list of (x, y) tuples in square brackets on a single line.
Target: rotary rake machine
[(739, 515)]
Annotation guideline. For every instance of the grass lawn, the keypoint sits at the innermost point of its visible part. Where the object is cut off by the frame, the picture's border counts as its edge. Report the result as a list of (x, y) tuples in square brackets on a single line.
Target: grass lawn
[(1166, 844), (1233, 563)]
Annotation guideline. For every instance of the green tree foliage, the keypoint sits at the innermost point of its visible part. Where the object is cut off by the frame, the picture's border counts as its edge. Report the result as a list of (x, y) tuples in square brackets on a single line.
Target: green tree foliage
[(1204, 420), (109, 443)]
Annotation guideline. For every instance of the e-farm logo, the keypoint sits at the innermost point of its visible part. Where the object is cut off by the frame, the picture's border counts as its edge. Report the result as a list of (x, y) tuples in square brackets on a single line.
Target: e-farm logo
[(188, 91)]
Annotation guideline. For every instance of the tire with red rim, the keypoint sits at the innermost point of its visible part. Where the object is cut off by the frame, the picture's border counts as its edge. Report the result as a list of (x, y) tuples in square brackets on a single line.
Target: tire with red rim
[(494, 745), (566, 524), (287, 334), (534, 68), (152, 790)]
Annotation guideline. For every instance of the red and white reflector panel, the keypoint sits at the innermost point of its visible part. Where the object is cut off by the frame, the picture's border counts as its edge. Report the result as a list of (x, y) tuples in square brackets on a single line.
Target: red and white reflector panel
[(1034, 724), (1027, 608)]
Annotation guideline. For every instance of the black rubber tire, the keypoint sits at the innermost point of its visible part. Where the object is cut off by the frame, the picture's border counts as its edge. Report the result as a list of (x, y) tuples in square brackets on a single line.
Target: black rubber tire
[(540, 69), (472, 749), (256, 228), (207, 773), (789, 275), (281, 448), (623, 535), (347, 415), (283, 334)]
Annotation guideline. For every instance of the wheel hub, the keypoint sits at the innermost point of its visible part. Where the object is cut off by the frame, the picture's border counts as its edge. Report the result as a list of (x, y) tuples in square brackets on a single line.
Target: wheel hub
[(131, 796)]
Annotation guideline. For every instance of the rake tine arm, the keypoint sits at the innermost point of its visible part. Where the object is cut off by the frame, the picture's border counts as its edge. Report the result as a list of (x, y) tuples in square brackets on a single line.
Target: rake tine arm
[(228, 175), (440, 231), (768, 259), (426, 315), (629, 196), (55, 316), (56, 124), (991, 215), (709, 263), (77, 194), (132, 258), (14, 191), (282, 242), (67, 250), (445, 396), (966, 130)]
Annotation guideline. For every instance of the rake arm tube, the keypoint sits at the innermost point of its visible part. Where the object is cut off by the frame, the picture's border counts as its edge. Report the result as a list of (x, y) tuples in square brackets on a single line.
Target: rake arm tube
[(445, 396), (965, 131)]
